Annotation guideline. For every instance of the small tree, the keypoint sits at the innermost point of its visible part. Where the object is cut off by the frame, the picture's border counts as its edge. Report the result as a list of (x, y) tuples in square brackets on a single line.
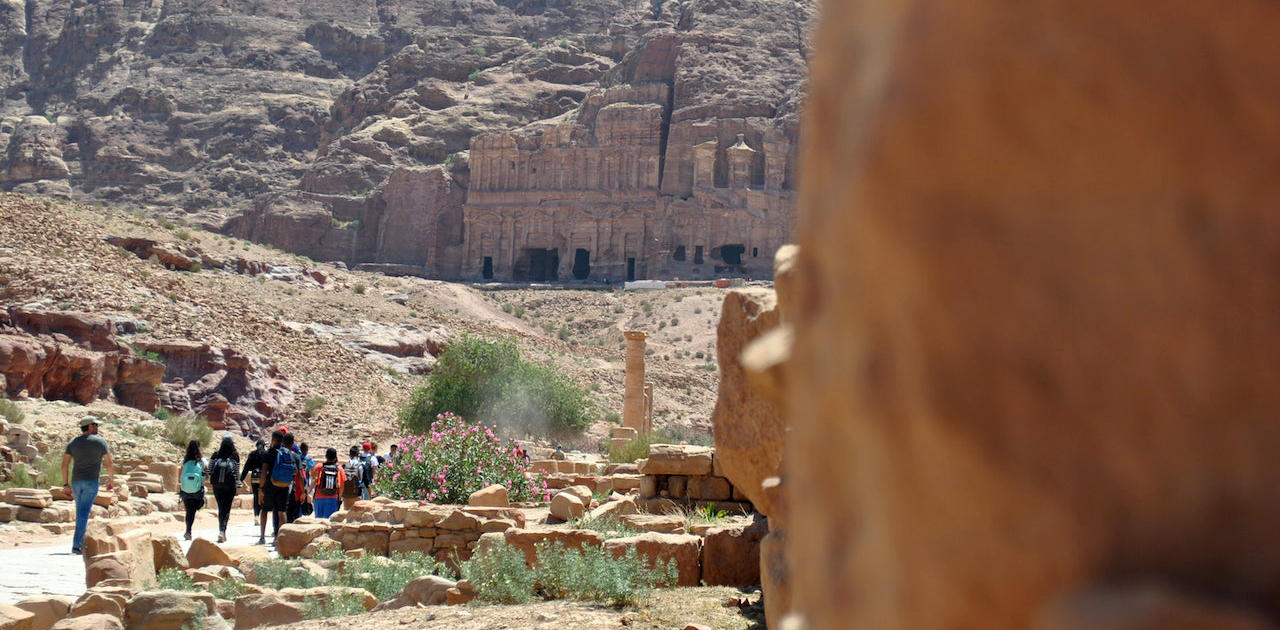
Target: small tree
[(489, 381)]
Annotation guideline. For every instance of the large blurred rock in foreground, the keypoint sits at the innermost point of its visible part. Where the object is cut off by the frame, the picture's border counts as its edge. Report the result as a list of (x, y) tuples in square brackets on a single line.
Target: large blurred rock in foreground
[(1036, 350)]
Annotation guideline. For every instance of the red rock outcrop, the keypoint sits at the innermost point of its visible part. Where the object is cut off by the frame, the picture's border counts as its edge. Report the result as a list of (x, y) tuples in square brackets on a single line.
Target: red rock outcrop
[(1035, 363), (221, 385)]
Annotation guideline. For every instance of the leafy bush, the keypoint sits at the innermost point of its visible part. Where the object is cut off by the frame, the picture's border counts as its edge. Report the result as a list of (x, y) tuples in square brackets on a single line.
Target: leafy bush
[(489, 380), (453, 460), (180, 430), (49, 465), (384, 577), (227, 589), (22, 478), (335, 605), (500, 575), (359, 288), (281, 574), (637, 448), (313, 404), (11, 411), (610, 526), (161, 414), (593, 574), (174, 579)]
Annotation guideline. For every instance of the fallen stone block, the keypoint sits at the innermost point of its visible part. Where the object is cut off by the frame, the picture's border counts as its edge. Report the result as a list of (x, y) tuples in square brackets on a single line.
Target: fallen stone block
[(684, 550)]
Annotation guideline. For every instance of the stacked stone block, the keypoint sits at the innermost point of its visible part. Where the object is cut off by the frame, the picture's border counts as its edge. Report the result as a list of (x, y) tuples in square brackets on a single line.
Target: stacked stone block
[(677, 476)]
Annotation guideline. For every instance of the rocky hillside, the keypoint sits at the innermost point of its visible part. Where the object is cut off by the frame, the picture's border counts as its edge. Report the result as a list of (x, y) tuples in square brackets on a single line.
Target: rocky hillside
[(98, 304), (332, 116)]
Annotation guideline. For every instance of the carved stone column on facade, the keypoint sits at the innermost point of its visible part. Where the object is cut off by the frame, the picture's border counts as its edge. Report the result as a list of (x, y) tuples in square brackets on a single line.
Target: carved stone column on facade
[(704, 164), (740, 158), (633, 401)]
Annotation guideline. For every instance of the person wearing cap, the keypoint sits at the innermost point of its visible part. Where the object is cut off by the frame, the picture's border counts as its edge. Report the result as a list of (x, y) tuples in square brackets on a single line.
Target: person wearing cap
[(370, 462), (90, 452)]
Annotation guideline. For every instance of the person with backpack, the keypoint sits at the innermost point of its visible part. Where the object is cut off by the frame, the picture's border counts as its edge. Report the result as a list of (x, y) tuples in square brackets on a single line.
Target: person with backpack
[(191, 483), (279, 468), (253, 470), (327, 481), (370, 463), (354, 489), (223, 467), (301, 496)]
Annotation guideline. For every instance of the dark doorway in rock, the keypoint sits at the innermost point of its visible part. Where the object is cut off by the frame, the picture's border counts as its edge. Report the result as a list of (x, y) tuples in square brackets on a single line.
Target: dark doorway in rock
[(538, 265), (679, 254), (697, 255), (732, 254), (631, 269), (755, 252), (487, 271), (581, 264)]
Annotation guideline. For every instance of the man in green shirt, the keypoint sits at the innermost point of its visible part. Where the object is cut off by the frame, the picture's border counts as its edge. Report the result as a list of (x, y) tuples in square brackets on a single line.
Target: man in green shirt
[(90, 453)]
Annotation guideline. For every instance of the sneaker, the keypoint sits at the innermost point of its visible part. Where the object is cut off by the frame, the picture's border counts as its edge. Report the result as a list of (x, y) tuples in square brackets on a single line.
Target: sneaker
[(76, 551), (262, 540), (222, 537), (187, 536)]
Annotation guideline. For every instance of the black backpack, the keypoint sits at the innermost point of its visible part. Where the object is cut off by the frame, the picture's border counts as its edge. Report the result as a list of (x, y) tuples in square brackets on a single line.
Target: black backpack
[(329, 477), (368, 464), (223, 472)]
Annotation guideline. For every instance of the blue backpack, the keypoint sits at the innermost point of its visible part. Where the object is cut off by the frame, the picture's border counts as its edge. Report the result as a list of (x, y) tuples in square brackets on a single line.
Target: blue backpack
[(192, 477), (285, 468)]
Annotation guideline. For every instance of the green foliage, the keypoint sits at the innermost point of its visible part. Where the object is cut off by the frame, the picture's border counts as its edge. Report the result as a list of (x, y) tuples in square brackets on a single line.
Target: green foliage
[(161, 414), (196, 268), (359, 288), (180, 430), (165, 223), (385, 577), (564, 43), (636, 448), (183, 235), (49, 465), (472, 76), (612, 417), (11, 412), (453, 460), (500, 575), (564, 333), (489, 380), (174, 579), (610, 526), (708, 513), (313, 404), (354, 224), (22, 478), (227, 589), (333, 605), (593, 574), (281, 574), (147, 355), (480, 51)]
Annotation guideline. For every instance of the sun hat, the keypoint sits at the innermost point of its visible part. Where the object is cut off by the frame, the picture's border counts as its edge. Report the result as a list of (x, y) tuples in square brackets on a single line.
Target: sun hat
[(88, 420)]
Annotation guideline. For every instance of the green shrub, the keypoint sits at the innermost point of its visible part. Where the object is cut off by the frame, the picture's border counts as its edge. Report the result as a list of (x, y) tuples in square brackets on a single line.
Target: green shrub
[(165, 223), (144, 431), (49, 465), (313, 405), (610, 526), (196, 268), (161, 414), (11, 411), (180, 430), (359, 288), (472, 76), (454, 460), (333, 605), (227, 589), (183, 235), (174, 579), (637, 448), (22, 478), (500, 575), (480, 51), (281, 574), (593, 574), (564, 333), (489, 381), (385, 577)]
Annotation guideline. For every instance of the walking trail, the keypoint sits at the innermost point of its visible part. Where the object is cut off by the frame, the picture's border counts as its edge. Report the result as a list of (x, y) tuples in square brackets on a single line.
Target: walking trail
[(49, 567)]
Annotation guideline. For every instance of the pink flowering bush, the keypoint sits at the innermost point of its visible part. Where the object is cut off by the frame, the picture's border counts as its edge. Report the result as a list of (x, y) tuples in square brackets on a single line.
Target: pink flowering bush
[(455, 459)]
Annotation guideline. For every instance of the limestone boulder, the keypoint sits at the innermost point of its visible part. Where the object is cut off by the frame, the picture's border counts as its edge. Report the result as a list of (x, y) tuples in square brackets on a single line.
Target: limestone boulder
[(166, 610), (29, 497), (492, 496), (677, 459), (660, 523), (1014, 358), (94, 621), (204, 552), (266, 609), (526, 540), (429, 590), (327, 594), (294, 537), (133, 563), (14, 618), (710, 488), (46, 610), (748, 427), (684, 550), (167, 553), (731, 555), (618, 505), (566, 506), (101, 601), (242, 555)]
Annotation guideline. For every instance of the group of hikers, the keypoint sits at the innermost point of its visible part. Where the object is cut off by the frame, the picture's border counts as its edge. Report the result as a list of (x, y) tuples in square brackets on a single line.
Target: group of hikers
[(285, 481)]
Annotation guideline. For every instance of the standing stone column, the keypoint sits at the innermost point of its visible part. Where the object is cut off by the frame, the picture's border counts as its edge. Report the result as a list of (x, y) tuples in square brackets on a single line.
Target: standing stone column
[(633, 396)]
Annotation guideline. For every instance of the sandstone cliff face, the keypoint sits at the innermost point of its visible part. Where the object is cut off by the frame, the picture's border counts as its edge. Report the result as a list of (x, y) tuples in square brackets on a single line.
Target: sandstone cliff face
[(1035, 362), (303, 125)]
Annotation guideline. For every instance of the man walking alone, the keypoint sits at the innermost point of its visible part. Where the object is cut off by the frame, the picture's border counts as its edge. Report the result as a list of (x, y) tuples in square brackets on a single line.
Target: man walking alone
[(90, 452)]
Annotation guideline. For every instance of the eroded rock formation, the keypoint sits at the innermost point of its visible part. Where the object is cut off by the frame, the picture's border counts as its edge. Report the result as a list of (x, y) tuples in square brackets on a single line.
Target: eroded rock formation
[(1033, 383)]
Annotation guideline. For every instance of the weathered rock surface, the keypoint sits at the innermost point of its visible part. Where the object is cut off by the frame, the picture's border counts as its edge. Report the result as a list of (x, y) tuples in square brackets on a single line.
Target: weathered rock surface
[(677, 459), (682, 550), (1034, 352)]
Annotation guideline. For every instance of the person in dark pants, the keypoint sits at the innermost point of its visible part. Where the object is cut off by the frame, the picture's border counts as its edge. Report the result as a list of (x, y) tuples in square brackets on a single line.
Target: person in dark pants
[(191, 488), (277, 482), (253, 470), (223, 469)]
